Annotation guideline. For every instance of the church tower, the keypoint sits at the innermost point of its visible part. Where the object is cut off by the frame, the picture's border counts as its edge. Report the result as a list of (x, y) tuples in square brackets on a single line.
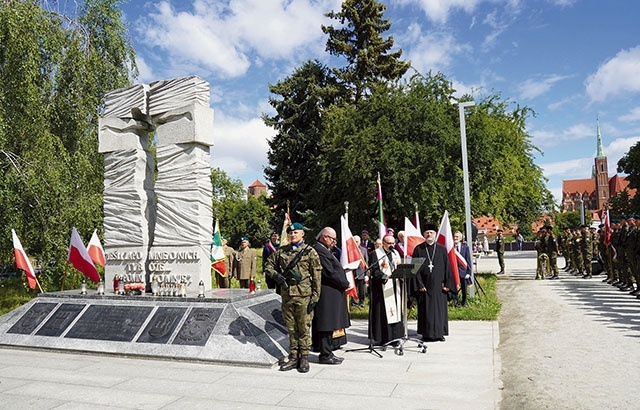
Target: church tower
[(601, 173)]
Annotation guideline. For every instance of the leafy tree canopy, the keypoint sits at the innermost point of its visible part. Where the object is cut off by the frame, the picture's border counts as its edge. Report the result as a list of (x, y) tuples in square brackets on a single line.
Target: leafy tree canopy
[(54, 70)]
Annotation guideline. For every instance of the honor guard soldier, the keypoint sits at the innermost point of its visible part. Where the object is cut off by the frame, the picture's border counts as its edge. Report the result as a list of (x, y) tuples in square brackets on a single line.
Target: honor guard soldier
[(296, 270)]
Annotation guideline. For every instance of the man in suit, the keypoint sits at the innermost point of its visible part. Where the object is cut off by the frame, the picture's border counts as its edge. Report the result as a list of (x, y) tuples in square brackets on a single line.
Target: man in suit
[(366, 241), (500, 250), (465, 264)]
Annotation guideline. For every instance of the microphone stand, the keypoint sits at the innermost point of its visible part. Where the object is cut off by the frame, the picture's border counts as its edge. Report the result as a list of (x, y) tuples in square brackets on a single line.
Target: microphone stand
[(371, 348), (403, 272)]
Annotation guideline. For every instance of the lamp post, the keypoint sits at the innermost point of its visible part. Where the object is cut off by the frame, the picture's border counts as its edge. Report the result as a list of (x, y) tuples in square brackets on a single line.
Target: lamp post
[(465, 173)]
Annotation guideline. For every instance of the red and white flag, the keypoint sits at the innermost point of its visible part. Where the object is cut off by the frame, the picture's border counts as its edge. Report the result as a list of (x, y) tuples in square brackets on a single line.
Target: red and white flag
[(79, 257), (22, 262), (445, 238), (350, 257), (607, 228), (382, 229), (412, 237), (95, 250)]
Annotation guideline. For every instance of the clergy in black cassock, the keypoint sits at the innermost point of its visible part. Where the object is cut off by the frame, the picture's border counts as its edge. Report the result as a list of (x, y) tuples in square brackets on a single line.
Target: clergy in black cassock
[(331, 311), (433, 281), (385, 321)]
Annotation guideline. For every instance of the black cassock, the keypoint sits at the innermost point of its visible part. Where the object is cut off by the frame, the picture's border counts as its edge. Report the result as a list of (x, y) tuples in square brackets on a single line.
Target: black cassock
[(380, 331), (433, 319), (331, 312)]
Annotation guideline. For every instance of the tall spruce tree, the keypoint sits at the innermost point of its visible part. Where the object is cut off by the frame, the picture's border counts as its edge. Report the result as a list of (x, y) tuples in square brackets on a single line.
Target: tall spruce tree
[(294, 153), (359, 40)]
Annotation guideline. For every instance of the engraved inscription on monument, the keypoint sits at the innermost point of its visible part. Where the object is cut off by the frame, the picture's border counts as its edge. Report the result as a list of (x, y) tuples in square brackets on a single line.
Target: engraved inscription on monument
[(108, 322), (198, 327), (162, 325), (32, 318), (61, 319)]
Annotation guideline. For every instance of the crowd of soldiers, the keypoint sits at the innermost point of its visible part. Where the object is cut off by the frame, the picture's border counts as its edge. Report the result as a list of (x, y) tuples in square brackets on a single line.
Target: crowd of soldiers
[(622, 256), (616, 252)]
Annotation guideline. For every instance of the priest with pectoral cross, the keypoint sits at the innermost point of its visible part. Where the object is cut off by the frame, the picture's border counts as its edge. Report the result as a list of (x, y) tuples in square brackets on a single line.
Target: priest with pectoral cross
[(385, 322), (433, 281)]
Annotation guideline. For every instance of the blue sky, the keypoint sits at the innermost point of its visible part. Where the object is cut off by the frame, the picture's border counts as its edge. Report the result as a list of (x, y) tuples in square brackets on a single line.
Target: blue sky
[(571, 61)]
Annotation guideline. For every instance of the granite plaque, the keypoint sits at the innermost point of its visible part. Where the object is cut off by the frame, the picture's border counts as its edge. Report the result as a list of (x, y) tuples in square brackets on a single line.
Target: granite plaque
[(162, 325), (32, 318), (60, 320), (198, 326), (110, 322)]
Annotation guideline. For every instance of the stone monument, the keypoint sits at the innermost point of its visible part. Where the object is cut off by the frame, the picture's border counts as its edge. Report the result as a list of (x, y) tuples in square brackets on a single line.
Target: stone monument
[(158, 225)]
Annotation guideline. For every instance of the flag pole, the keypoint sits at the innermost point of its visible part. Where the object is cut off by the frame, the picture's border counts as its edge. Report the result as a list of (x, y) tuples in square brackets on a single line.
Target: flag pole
[(38, 282)]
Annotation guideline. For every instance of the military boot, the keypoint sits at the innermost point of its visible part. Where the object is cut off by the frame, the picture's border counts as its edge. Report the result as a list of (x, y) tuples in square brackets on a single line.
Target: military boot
[(303, 364), (290, 364)]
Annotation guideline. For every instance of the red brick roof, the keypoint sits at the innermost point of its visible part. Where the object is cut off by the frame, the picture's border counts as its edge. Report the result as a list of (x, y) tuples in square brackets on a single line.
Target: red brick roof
[(257, 183), (578, 185)]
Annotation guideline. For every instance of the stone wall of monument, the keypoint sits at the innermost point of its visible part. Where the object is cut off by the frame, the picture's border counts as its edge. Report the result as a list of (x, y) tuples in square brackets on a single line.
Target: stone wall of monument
[(160, 228)]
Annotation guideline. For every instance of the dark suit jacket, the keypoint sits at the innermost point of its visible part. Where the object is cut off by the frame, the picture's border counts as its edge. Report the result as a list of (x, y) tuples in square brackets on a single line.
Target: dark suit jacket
[(466, 254)]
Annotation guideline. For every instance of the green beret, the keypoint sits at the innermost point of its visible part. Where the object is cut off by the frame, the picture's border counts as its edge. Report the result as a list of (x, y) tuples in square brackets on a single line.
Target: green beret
[(296, 226)]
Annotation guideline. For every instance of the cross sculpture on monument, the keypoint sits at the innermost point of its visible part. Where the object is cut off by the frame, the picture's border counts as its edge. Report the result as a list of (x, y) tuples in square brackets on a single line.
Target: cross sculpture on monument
[(158, 225)]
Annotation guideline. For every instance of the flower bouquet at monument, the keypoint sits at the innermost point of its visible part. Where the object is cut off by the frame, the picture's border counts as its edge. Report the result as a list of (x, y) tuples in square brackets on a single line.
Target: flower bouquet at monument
[(134, 288)]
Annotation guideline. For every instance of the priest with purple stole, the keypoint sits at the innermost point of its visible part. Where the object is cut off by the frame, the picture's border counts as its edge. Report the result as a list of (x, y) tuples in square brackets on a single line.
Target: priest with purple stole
[(385, 314), (433, 281)]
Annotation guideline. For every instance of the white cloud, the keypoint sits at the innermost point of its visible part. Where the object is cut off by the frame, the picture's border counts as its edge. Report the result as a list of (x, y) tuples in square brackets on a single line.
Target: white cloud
[(432, 51), (533, 88), (570, 169), (145, 71), (632, 116), (226, 38), (438, 10), (619, 75), (240, 146), (551, 138)]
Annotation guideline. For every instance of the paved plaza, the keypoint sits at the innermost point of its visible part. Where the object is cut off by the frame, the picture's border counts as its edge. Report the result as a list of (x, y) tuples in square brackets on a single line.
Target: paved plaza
[(569, 343)]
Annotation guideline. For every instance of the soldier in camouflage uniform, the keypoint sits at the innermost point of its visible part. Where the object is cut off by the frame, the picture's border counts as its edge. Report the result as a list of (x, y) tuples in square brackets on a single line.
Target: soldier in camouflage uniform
[(567, 239), (587, 251), (634, 259), (576, 254), (300, 291), (551, 248), (615, 245), (543, 259), (626, 283)]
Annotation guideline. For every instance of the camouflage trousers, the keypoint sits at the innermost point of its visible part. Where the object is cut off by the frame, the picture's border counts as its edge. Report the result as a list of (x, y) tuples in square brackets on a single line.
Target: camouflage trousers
[(553, 263), (298, 322), (586, 262), (543, 266)]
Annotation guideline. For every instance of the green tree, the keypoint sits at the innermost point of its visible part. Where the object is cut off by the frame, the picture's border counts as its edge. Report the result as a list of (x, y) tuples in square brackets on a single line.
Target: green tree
[(238, 215), (410, 135), (630, 164), (359, 40), (54, 71), (294, 153)]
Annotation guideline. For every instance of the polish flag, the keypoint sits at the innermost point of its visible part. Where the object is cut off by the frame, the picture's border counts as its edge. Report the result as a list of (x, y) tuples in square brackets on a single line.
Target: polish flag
[(412, 237), (445, 238), (607, 228), (22, 262), (95, 250), (382, 229), (350, 257), (80, 259)]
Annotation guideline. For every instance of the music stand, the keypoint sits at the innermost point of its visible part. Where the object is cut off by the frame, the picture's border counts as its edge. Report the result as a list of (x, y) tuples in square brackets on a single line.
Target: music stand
[(403, 272)]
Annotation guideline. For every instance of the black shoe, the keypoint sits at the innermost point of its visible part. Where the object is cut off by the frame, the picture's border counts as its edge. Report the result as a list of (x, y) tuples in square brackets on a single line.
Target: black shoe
[(586, 276), (627, 288), (500, 273), (635, 292), (330, 360), (555, 277)]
